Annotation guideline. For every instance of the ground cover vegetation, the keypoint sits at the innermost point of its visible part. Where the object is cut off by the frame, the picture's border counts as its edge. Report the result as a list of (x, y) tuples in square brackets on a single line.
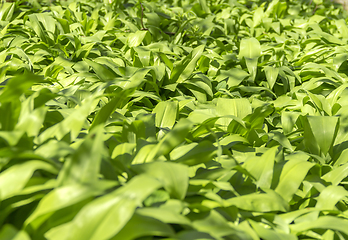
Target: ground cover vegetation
[(173, 120)]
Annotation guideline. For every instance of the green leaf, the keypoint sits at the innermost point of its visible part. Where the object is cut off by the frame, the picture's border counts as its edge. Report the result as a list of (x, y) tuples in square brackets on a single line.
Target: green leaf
[(104, 217), (239, 107), (292, 174), (185, 68), (103, 73), (194, 235), (31, 120), (164, 215), (234, 75), (171, 140), (84, 165), (118, 101), (320, 131), (6, 11), (39, 28), (9, 232), (259, 202), (18, 85), (217, 226), (194, 153), (63, 197), (342, 27), (71, 124), (144, 55), (173, 176), (329, 197), (166, 114), (204, 6), (258, 16), (271, 75), (288, 120), (262, 168), (323, 222), (15, 178), (267, 233), (145, 226), (336, 175), (250, 50), (11, 137), (135, 39)]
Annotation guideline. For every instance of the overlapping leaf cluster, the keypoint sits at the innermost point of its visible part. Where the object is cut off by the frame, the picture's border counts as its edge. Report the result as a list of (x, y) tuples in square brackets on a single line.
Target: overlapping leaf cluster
[(173, 120)]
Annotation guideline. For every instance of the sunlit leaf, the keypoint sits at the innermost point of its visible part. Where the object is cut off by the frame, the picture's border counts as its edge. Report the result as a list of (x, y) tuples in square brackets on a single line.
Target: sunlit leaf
[(292, 174), (107, 215)]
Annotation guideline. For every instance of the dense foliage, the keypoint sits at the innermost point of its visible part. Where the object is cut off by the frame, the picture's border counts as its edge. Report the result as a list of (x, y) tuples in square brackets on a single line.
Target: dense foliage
[(173, 120)]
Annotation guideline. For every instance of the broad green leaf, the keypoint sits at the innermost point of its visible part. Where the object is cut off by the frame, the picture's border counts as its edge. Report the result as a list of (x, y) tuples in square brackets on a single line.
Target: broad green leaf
[(342, 27), (118, 101), (320, 130), (288, 120), (166, 114), (194, 153), (11, 137), (135, 80), (103, 73), (271, 75), (262, 168), (145, 226), (202, 85), (63, 197), (18, 85), (135, 39), (6, 11), (281, 139), (184, 69), (266, 233), (171, 140), (204, 127), (217, 226), (47, 21), (173, 176), (9, 232), (104, 217), (294, 215), (239, 107), (250, 50), (71, 124), (323, 222), (83, 166), (258, 15), (336, 175), (205, 117), (329, 197), (39, 29), (164, 215), (204, 6), (336, 93), (234, 76), (15, 178), (83, 52), (292, 174), (31, 120), (142, 154), (144, 55), (259, 202), (194, 235), (216, 120)]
